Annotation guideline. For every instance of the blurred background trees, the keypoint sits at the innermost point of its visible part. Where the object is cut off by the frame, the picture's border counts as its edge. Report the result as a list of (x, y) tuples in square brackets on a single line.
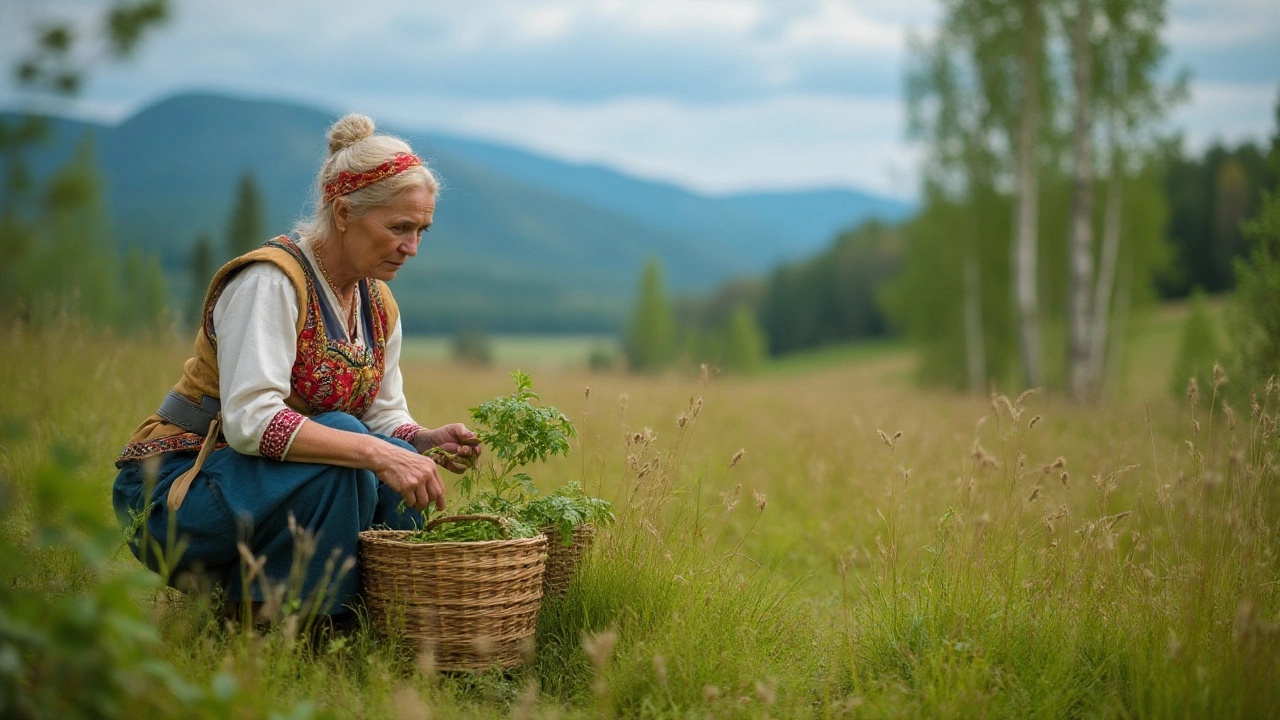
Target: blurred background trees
[(56, 247)]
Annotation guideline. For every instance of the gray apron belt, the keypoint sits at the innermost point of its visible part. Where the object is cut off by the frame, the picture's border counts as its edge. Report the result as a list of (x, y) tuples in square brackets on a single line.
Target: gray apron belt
[(203, 419), (177, 410)]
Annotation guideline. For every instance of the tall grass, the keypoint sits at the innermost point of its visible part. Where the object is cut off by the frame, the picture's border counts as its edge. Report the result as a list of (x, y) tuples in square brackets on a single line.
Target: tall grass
[(1018, 557)]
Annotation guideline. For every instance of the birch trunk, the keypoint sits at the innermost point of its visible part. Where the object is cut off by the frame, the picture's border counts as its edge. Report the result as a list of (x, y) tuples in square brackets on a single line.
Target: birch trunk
[(1105, 288), (1080, 244), (1115, 356), (1024, 257)]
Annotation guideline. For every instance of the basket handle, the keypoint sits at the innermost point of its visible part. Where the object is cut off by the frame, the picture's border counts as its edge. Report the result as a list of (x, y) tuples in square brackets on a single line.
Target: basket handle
[(501, 522)]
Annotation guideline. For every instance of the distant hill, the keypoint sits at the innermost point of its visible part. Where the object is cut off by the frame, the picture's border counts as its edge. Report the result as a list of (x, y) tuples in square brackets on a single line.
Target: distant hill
[(521, 242)]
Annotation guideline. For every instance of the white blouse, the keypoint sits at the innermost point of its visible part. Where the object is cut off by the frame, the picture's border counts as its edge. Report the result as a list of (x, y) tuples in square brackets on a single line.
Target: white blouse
[(256, 321)]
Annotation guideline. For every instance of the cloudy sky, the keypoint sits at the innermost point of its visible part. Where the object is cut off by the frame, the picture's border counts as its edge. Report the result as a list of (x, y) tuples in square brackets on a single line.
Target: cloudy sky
[(715, 95)]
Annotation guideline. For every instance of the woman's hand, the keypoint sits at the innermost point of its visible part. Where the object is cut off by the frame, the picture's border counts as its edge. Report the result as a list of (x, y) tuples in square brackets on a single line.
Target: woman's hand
[(415, 477), (461, 446)]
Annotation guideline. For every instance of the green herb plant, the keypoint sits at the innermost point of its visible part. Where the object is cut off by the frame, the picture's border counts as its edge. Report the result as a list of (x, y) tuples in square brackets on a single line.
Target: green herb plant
[(517, 430)]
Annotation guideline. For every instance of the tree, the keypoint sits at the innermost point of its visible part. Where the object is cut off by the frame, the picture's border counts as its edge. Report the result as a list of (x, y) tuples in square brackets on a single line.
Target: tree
[(1253, 322), (200, 268), (245, 225), (745, 347), (1080, 243), (55, 246), (144, 307), (650, 338)]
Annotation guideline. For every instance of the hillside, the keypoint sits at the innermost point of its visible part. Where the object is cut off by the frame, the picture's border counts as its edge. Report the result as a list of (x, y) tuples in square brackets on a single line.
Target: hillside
[(521, 242)]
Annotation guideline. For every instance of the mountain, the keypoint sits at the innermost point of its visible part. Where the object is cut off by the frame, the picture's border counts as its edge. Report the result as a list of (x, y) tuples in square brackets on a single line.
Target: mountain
[(521, 242)]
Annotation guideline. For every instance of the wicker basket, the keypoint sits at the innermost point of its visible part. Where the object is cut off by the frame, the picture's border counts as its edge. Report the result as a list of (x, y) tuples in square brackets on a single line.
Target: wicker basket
[(562, 560), (471, 604)]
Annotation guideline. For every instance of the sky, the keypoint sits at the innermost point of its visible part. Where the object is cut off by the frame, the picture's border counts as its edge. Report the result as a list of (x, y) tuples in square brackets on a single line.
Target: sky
[(717, 96)]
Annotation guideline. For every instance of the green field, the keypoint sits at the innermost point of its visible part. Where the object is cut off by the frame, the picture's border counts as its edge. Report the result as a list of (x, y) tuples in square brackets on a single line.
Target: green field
[(523, 351), (1002, 557)]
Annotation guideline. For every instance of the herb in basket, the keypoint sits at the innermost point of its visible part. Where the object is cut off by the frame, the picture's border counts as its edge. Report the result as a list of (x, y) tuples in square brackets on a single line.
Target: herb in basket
[(565, 509), (517, 430)]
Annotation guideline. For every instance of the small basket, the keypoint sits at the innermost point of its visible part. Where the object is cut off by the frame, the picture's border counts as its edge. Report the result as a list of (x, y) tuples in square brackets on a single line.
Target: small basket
[(471, 604), (562, 560)]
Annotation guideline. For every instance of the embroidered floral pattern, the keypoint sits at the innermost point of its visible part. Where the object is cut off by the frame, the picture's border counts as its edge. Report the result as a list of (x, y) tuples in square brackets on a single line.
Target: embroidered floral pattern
[(181, 442), (407, 432), (278, 436), (349, 182), (327, 375)]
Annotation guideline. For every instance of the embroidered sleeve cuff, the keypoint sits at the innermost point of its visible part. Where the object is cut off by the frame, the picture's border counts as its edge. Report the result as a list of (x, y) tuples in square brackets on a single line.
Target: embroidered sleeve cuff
[(278, 436), (407, 432)]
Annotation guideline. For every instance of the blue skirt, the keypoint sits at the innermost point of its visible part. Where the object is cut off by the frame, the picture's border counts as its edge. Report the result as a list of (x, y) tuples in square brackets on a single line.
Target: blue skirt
[(242, 502)]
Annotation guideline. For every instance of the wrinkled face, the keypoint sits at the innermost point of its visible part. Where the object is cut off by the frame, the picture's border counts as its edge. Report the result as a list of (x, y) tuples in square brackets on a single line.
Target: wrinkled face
[(379, 243)]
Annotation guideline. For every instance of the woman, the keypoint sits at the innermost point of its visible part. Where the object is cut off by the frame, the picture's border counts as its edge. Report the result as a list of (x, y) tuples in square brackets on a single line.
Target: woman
[(291, 416)]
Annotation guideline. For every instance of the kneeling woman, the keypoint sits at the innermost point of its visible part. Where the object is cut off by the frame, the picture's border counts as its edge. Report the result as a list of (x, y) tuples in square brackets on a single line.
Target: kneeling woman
[(292, 411)]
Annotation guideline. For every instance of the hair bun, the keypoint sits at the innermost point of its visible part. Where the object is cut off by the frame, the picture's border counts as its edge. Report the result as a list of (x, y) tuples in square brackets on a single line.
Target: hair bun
[(349, 130)]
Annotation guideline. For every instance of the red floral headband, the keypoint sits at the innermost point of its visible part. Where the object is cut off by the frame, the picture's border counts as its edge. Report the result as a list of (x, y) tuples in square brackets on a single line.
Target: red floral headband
[(349, 182)]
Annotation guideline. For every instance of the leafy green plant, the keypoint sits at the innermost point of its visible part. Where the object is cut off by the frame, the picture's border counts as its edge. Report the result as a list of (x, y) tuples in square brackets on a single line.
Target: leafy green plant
[(565, 509), (476, 531)]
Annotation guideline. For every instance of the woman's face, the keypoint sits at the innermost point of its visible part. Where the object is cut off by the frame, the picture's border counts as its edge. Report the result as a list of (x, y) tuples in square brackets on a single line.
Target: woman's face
[(378, 244)]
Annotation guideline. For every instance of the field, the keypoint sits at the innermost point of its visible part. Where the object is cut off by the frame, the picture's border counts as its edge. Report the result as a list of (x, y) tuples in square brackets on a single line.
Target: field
[(878, 550)]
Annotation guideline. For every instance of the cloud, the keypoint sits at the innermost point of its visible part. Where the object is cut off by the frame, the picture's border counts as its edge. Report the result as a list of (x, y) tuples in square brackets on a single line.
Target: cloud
[(1227, 112), (789, 141), (714, 94)]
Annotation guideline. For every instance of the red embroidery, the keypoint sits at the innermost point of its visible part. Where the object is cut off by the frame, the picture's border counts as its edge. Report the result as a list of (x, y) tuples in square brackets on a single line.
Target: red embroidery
[(349, 182), (407, 432), (279, 434), (327, 375)]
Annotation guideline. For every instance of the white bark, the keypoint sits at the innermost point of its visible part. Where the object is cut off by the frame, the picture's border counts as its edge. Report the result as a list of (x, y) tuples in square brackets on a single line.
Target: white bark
[(1105, 288), (1025, 239), (1080, 243)]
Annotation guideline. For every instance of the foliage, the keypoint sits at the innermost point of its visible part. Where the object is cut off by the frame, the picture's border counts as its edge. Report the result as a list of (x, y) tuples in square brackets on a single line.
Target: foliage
[(565, 509), (200, 269), (472, 346), (1198, 351), (650, 338), (1253, 322), (1209, 196), (245, 225), (831, 297), (57, 256), (475, 531), (517, 430)]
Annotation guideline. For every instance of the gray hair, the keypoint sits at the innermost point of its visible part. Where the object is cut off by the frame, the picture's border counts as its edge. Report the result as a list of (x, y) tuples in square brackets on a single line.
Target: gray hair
[(354, 148)]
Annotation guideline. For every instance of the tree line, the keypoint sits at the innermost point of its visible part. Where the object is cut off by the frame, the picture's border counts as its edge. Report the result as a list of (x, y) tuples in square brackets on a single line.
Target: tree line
[(1051, 206)]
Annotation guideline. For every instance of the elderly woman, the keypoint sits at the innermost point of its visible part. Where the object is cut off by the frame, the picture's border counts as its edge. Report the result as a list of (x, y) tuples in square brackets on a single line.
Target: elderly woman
[(291, 416)]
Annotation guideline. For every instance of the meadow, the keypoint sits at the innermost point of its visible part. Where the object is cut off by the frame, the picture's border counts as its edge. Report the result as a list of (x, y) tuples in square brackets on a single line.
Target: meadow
[(821, 540)]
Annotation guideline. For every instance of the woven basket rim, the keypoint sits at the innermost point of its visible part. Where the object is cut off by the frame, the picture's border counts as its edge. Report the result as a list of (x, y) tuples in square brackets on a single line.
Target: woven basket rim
[(389, 537)]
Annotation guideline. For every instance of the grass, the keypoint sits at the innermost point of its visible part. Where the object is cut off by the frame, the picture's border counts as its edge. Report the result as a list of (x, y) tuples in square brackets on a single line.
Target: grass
[(834, 569)]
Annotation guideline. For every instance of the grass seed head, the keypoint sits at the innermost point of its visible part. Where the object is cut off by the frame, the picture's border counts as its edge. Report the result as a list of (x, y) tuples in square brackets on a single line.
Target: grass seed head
[(408, 704), (767, 692), (710, 693), (761, 500), (599, 647), (737, 456), (1033, 422)]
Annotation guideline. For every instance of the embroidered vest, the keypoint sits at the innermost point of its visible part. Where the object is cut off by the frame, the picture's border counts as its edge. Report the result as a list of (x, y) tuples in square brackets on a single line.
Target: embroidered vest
[(328, 374)]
